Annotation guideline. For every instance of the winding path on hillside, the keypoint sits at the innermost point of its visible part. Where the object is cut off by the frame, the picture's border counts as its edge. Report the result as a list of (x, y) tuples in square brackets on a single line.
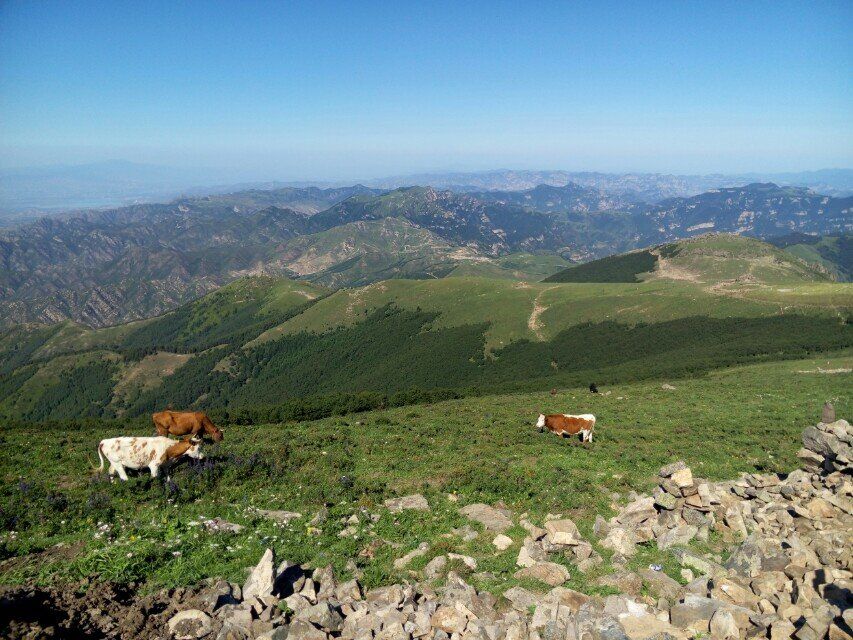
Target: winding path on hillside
[(538, 309)]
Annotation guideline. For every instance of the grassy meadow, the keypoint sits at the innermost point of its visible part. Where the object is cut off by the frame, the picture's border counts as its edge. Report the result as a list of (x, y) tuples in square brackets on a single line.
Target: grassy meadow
[(60, 521)]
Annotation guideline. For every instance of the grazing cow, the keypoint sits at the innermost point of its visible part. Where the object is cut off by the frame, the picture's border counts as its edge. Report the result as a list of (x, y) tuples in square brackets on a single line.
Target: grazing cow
[(565, 424), (182, 423), (593, 388), (153, 453)]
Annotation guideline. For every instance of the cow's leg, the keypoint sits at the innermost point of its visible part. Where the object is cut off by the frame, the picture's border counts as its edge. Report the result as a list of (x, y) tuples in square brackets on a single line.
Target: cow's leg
[(121, 473)]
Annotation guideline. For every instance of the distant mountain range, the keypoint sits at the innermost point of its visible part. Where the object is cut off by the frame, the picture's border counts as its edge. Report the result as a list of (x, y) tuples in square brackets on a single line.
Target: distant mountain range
[(641, 187), (30, 192), (105, 267)]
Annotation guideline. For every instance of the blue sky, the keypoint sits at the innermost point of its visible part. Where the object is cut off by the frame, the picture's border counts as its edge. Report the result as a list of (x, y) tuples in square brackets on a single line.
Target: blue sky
[(324, 90)]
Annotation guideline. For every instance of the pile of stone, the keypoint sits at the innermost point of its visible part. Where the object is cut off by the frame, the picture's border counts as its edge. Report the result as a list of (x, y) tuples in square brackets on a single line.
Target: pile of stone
[(790, 576)]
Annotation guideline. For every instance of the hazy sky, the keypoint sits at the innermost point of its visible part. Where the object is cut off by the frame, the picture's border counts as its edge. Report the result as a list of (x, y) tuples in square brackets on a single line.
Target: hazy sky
[(320, 90)]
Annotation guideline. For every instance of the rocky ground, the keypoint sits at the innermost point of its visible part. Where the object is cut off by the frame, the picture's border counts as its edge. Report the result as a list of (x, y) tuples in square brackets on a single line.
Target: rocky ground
[(788, 577)]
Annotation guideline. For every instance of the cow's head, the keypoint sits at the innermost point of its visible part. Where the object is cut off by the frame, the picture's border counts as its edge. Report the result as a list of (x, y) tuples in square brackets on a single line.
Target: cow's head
[(540, 423), (194, 448), (211, 429)]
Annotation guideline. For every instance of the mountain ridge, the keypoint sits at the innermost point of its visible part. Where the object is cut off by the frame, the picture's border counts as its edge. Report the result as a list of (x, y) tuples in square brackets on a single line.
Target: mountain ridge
[(104, 267)]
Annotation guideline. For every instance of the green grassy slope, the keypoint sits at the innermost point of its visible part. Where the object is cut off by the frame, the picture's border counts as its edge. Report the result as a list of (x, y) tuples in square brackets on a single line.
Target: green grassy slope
[(709, 259), (833, 253), (262, 342), (753, 416)]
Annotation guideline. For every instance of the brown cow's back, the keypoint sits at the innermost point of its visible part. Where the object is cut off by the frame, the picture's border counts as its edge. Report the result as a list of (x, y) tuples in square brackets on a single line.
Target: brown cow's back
[(180, 423), (569, 425)]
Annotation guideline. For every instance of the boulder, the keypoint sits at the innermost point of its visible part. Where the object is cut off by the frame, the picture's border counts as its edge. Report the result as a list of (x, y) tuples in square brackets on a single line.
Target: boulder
[(683, 478), (449, 619), (502, 542), (694, 613), (821, 442), (669, 469), (724, 626), (621, 540), (521, 599), (303, 630), (530, 553), (190, 624), (435, 567), (666, 500), (492, 519), (550, 573), (322, 615), (415, 502), (280, 516), (680, 535), (637, 512), (562, 533), (755, 555), (661, 585), (261, 580)]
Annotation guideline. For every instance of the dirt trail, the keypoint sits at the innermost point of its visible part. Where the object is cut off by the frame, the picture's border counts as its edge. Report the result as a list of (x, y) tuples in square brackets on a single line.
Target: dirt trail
[(538, 309)]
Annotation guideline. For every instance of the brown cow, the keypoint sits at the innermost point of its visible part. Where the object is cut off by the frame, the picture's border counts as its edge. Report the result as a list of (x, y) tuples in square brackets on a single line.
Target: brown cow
[(181, 423), (565, 424)]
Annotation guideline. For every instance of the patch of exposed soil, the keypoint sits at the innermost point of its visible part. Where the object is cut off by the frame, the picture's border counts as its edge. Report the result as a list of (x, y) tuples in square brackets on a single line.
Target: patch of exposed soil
[(88, 611)]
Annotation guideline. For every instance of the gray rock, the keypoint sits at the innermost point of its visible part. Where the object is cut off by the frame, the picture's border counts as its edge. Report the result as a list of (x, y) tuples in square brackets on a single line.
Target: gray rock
[(190, 624), (550, 573), (449, 619), (280, 516), (435, 567), (303, 630), (669, 469), (562, 533), (415, 502), (530, 553), (279, 633), (322, 615), (666, 500), (492, 519), (681, 535), (403, 561), (391, 595), (262, 578), (821, 442), (622, 540), (218, 525), (828, 413), (694, 613), (661, 585), (755, 555), (521, 599)]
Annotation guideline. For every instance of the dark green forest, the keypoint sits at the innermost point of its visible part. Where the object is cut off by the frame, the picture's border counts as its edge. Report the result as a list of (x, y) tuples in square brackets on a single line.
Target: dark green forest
[(397, 357), (621, 268)]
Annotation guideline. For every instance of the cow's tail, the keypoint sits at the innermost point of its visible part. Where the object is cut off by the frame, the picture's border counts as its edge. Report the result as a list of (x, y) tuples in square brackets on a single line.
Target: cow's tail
[(100, 456)]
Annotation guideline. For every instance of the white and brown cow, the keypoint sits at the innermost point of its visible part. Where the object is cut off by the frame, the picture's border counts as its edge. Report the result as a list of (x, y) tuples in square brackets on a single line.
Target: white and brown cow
[(566, 424), (151, 453)]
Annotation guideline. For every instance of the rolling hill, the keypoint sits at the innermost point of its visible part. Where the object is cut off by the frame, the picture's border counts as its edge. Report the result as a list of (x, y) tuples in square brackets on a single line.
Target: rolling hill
[(719, 259), (273, 346), (832, 253)]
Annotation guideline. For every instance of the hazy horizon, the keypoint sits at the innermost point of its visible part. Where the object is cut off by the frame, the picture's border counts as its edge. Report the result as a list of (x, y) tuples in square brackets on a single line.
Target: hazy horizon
[(334, 91)]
